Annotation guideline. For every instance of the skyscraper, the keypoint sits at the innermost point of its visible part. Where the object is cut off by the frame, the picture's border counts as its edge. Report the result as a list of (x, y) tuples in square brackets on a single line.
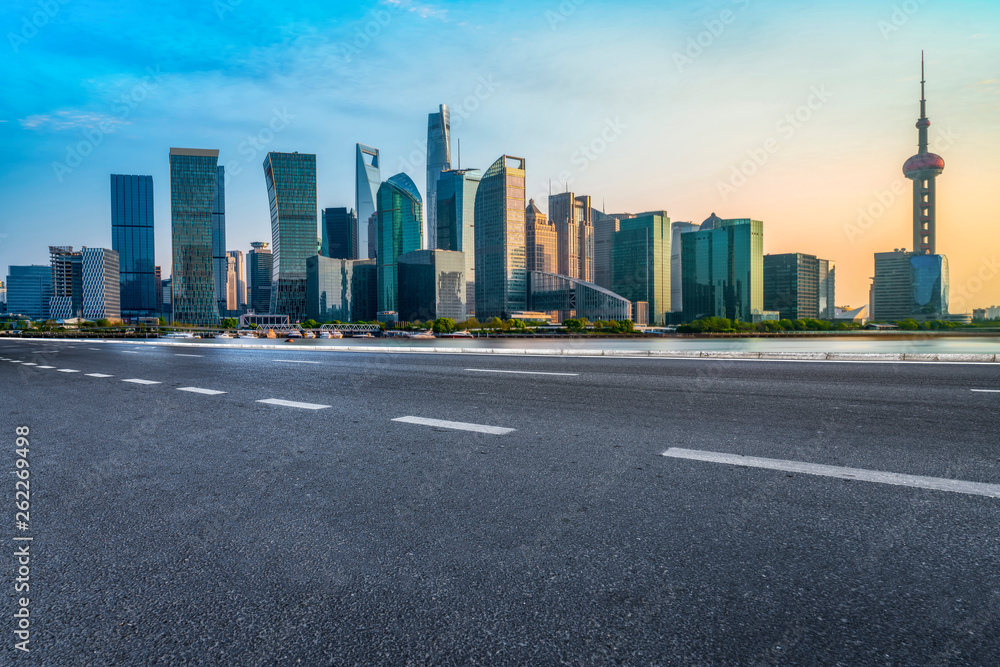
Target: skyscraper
[(400, 230), (291, 192), (640, 263), (367, 180), (827, 289), (341, 289), (132, 239), (259, 267), (723, 269), (676, 263), (236, 286), (431, 285), (220, 263), (574, 225), (194, 174), (456, 220), (541, 244), (923, 169), (67, 283), (791, 285), (438, 160), (604, 228), (101, 284), (501, 268), (339, 231), (29, 291)]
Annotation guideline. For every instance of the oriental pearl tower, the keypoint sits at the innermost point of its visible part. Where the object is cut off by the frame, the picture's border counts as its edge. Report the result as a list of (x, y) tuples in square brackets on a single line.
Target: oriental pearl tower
[(923, 169)]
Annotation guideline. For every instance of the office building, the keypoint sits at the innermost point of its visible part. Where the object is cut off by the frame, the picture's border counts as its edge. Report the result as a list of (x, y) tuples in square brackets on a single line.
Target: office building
[(827, 289), (220, 263), (892, 286), (572, 297), (158, 272), (541, 245), (456, 219), (194, 175), (259, 269), (236, 283), (101, 284), (431, 285), (291, 192), (67, 283), (604, 228), (29, 291), (438, 160), (341, 290), (574, 225), (400, 230), (339, 234), (165, 306), (723, 269), (501, 269), (132, 239), (791, 285), (676, 262), (367, 180), (3, 297), (640, 262)]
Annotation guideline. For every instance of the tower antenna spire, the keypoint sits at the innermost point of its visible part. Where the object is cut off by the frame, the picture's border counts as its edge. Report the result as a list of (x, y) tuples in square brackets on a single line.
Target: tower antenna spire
[(923, 83)]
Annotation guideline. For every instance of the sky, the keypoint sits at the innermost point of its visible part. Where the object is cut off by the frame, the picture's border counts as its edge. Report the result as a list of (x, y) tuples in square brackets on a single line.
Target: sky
[(799, 114)]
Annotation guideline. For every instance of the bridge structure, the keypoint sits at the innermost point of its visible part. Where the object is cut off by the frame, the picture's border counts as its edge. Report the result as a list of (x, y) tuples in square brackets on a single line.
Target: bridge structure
[(352, 328)]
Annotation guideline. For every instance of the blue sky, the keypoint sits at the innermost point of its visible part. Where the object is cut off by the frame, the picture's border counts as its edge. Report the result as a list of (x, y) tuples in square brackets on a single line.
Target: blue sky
[(642, 105)]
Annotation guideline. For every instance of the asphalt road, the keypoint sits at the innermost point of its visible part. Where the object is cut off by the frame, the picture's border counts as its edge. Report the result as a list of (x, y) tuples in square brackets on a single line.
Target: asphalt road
[(174, 526)]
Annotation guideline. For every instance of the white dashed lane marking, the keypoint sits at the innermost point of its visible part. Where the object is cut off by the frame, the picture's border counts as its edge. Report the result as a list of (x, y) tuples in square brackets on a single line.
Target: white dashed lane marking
[(199, 390), (987, 391), (137, 381), (46, 366), (486, 370), (67, 370), (456, 426), (189, 355), (99, 375), (294, 404)]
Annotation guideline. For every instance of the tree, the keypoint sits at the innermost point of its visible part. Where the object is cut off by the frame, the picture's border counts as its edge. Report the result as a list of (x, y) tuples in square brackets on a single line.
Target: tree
[(103, 323), (626, 326), (444, 325), (230, 323), (909, 324), (310, 324), (496, 324)]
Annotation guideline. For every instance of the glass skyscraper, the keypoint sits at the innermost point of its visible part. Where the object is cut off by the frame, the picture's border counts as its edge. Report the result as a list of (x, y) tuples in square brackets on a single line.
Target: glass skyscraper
[(367, 180), (29, 290), (604, 228), (640, 262), (259, 266), (431, 285), (132, 239), (723, 269), (438, 160), (456, 220), (341, 290), (101, 284), (291, 192), (339, 232), (193, 177), (791, 285), (676, 263), (400, 230), (220, 262), (501, 270)]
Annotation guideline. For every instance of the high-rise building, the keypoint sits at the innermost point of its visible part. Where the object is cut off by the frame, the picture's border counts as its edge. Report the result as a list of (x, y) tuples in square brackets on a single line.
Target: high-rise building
[(341, 290), (67, 283), (158, 271), (501, 268), (723, 269), (892, 286), (29, 291), (132, 239), (431, 285), (291, 191), (791, 285), (456, 220), (3, 297), (259, 269), (827, 289), (339, 231), (166, 308), (367, 180), (438, 160), (194, 175), (236, 283), (541, 243), (400, 230), (220, 263), (101, 284), (676, 262), (640, 262), (604, 228), (574, 225)]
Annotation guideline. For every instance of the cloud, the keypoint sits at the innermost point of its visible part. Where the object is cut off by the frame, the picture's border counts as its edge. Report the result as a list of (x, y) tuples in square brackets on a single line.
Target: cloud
[(423, 11), (71, 120)]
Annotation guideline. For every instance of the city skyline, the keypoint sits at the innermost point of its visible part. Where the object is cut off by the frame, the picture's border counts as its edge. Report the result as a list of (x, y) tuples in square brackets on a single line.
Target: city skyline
[(841, 160)]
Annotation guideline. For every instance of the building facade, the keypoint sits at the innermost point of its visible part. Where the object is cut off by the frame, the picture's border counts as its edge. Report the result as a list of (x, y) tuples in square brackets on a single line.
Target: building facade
[(723, 269), (400, 230), (367, 180), (573, 220), (456, 222), (67, 283), (291, 193), (132, 239), (548, 292), (541, 244), (259, 270), (194, 176), (791, 285), (341, 290), (29, 291), (101, 284), (220, 262), (892, 286), (604, 228), (827, 289), (438, 160), (236, 283), (339, 233), (501, 265), (431, 285), (676, 263), (640, 262)]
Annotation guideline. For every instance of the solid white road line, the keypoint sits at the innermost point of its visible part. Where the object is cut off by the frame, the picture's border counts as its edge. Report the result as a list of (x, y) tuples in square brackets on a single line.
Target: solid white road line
[(189, 355), (987, 391), (457, 426), (294, 404), (290, 361), (859, 474), (67, 370), (487, 370), (199, 390), (28, 363), (135, 381), (99, 375), (96, 349)]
